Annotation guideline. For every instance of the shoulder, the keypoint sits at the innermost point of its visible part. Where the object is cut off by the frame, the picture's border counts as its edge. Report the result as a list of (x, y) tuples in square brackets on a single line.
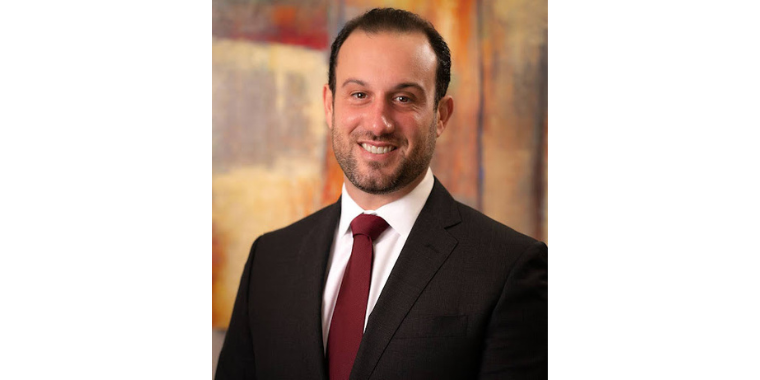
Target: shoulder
[(475, 223), (294, 233), (488, 246), (497, 252), (471, 227)]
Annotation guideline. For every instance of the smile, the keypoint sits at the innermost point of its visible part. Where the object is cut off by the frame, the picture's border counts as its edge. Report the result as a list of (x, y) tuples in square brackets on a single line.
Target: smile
[(377, 150)]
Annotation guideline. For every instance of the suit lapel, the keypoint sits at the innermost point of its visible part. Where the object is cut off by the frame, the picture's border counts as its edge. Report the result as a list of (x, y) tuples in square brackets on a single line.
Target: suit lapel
[(426, 249), (311, 268)]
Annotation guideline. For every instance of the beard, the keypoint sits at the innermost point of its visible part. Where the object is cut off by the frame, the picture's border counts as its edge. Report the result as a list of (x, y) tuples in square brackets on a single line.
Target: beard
[(372, 180)]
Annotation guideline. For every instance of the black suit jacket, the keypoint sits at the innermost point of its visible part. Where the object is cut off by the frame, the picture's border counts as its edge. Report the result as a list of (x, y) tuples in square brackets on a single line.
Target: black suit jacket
[(466, 299)]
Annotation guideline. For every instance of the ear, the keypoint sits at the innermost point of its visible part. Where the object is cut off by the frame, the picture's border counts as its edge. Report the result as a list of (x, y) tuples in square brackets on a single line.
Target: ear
[(445, 109), (327, 99)]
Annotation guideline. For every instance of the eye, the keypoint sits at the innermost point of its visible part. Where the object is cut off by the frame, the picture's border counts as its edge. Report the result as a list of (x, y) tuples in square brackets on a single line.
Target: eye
[(359, 95), (403, 99)]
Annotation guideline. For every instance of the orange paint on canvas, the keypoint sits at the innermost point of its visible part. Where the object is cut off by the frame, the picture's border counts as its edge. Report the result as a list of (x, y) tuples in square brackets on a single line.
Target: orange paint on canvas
[(333, 175), (284, 15)]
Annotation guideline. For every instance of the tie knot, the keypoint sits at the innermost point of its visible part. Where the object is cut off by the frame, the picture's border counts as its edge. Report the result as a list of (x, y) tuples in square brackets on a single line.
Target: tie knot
[(368, 225)]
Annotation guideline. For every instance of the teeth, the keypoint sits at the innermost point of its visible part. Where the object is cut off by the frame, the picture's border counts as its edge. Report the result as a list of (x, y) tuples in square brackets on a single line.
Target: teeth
[(377, 150)]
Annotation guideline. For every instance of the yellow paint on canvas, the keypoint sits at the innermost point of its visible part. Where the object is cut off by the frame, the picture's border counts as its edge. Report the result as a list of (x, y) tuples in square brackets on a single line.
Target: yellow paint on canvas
[(251, 199)]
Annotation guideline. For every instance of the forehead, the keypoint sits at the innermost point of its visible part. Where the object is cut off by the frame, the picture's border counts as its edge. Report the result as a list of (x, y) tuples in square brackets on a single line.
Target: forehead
[(386, 57)]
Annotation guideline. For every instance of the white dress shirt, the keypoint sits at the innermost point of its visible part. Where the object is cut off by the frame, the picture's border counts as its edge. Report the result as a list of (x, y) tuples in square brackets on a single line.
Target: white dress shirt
[(400, 216)]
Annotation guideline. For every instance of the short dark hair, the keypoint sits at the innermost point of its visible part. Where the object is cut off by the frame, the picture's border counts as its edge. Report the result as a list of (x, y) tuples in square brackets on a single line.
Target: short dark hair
[(397, 20)]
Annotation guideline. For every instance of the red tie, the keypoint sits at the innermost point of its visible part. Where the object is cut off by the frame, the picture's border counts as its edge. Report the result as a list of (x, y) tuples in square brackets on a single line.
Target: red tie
[(347, 324)]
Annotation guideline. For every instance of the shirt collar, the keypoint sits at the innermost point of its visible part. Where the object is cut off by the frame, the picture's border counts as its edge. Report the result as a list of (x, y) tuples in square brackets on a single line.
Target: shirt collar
[(400, 214)]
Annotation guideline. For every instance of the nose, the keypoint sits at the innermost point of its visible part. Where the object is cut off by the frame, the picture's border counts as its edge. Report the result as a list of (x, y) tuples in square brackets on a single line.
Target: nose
[(381, 121)]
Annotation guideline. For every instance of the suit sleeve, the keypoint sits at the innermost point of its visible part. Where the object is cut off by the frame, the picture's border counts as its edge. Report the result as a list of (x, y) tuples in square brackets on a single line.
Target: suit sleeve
[(516, 341), (236, 360)]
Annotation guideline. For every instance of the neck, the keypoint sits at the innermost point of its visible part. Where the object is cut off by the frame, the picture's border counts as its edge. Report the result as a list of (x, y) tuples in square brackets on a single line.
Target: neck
[(369, 201)]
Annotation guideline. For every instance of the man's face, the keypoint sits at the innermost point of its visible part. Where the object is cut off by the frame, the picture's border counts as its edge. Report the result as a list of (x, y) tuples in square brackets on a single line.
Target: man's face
[(382, 115)]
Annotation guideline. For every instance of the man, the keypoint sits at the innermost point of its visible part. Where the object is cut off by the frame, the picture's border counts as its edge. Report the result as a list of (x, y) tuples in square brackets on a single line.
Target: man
[(396, 280)]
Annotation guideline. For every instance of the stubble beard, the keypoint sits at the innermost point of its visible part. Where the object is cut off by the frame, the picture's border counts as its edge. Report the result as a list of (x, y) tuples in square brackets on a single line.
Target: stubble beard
[(409, 167)]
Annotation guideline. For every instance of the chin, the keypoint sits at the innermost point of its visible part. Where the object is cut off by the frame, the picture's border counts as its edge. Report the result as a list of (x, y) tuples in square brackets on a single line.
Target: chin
[(374, 181), (376, 185)]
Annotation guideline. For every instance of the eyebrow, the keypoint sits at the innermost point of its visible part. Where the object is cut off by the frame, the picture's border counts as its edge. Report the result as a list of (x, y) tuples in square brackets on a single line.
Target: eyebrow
[(399, 86), (402, 86), (350, 80)]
